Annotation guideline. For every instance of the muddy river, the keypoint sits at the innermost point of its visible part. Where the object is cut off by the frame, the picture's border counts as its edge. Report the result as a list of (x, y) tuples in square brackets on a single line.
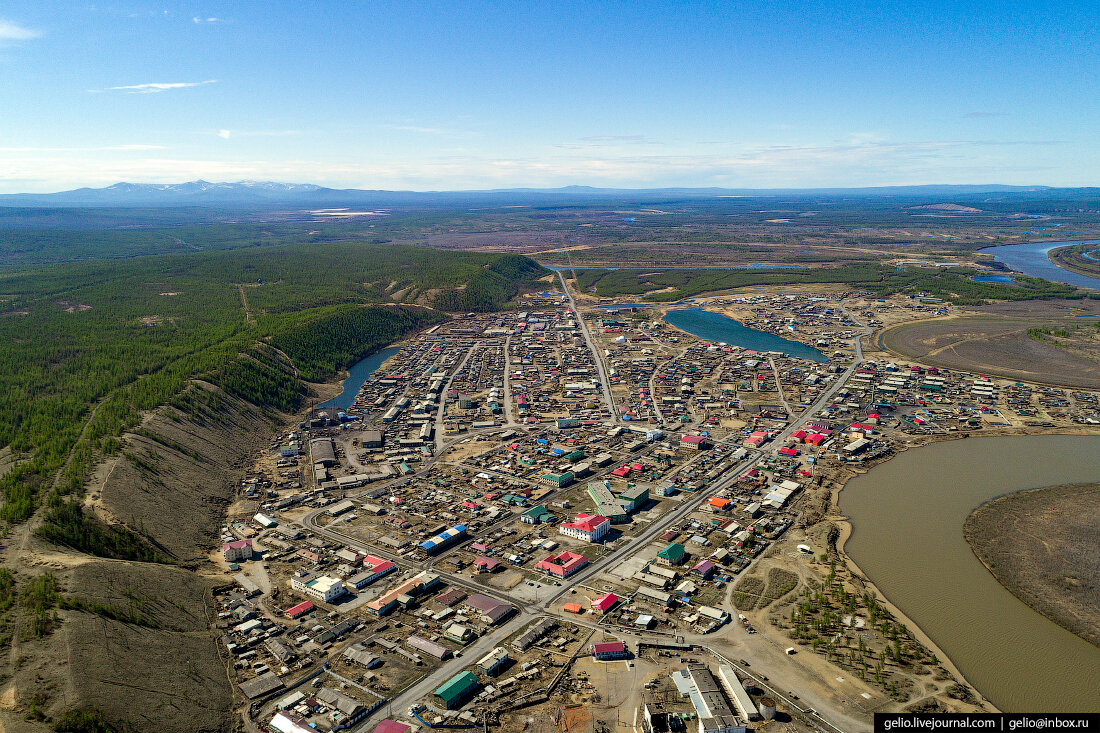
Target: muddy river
[(907, 517)]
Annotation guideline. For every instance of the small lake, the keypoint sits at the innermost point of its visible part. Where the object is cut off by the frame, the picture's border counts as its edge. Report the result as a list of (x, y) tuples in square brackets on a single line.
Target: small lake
[(716, 327), (1031, 259), (907, 517), (1007, 279), (359, 372)]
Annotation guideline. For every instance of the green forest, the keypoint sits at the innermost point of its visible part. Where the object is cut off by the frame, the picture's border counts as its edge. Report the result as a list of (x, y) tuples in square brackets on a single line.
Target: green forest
[(952, 284), (87, 347)]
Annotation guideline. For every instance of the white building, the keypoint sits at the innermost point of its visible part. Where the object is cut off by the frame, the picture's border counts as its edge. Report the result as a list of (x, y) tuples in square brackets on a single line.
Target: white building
[(322, 587), (587, 527)]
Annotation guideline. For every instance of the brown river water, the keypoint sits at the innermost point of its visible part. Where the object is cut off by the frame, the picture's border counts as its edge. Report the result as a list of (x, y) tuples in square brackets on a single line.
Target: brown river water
[(907, 519)]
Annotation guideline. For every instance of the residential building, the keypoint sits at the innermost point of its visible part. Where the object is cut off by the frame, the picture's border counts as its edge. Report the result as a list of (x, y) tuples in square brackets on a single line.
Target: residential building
[(237, 551)]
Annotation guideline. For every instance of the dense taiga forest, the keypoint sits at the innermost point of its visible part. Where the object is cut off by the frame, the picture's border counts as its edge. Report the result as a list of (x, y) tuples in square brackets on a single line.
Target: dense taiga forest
[(87, 347)]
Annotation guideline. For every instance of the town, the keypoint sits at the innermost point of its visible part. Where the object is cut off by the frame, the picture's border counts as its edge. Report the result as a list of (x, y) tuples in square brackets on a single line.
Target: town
[(578, 514)]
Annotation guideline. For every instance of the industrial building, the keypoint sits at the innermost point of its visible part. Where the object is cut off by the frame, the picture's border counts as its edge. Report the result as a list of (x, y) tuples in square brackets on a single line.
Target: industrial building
[(322, 452)]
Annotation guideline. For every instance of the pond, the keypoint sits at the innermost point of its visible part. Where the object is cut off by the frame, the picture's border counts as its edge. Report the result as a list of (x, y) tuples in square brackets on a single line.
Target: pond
[(716, 327)]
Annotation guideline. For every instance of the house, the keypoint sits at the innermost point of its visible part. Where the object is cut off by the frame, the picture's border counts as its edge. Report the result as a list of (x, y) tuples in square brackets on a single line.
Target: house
[(672, 555), (494, 660), (704, 569), (587, 527), (351, 709), (605, 603), (458, 633), (572, 608), (489, 609), (535, 632), (563, 564), (486, 564), (609, 650), (237, 551)]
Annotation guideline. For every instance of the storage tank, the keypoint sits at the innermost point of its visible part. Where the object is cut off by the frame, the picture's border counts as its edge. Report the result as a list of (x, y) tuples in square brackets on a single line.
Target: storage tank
[(767, 708)]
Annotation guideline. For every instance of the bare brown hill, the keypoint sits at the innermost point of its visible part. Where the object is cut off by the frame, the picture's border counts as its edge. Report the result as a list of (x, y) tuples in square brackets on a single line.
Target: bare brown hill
[(178, 472)]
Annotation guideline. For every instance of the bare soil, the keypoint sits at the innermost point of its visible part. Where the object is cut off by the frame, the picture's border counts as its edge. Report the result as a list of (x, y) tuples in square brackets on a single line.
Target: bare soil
[(1041, 546)]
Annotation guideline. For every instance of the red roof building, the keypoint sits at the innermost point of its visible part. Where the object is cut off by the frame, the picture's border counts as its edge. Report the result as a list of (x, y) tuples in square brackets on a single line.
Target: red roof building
[(603, 604), (563, 564), (588, 527), (300, 610), (236, 551), (609, 650)]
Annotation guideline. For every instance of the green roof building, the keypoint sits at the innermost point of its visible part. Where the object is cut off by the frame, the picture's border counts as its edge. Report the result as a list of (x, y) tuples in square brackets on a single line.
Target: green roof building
[(535, 515), (457, 690), (559, 480), (672, 555)]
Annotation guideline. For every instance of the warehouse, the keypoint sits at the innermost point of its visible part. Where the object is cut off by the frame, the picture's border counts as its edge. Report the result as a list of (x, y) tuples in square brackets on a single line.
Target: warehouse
[(443, 539), (323, 452), (453, 693), (371, 439), (430, 648)]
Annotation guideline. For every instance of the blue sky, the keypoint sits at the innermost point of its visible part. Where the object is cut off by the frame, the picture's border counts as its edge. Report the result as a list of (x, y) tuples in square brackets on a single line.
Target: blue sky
[(442, 95)]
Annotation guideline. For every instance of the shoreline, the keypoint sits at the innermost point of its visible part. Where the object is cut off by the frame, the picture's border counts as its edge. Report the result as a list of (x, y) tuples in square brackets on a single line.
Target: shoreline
[(1060, 258), (846, 529), (1024, 598)]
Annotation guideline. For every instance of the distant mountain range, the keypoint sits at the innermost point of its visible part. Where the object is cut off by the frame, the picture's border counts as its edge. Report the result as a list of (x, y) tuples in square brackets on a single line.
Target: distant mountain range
[(264, 194)]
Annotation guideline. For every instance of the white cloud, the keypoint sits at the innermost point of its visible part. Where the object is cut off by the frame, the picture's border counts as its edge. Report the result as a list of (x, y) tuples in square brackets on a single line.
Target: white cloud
[(223, 134), (197, 19), (156, 87), (13, 32)]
